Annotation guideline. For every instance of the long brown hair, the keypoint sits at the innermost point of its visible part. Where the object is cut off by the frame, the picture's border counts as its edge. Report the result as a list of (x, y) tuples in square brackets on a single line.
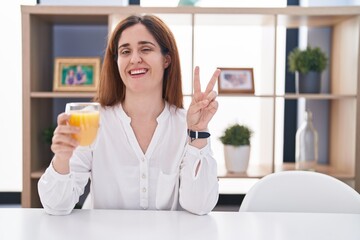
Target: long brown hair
[(111, 89)]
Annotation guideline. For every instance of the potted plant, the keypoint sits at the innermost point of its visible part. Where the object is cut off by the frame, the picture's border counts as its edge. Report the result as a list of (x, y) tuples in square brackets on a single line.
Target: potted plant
[(236, 140), (308, 65), (47, 134)]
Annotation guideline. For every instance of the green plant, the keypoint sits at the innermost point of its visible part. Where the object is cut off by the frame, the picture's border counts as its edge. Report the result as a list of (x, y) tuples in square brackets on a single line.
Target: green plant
[(304, 61), (48, 134), (236, 135)]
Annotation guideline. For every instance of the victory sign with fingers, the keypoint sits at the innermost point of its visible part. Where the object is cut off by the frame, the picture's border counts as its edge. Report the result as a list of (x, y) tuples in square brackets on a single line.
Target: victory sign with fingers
[(203, 105)]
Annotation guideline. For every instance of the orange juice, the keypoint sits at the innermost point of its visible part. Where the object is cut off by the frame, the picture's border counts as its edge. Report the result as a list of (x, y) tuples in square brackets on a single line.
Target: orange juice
[(88, 121)]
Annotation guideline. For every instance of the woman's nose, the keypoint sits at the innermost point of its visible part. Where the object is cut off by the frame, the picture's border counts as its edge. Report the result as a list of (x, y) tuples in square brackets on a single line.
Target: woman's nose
[(136, 58)]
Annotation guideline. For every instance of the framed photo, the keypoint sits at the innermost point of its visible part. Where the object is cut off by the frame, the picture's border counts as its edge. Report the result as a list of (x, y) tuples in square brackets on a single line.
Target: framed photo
[(76, 74), (236, 80)]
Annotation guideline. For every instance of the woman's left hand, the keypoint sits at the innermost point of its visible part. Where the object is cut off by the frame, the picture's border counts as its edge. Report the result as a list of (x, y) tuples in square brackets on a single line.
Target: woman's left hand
[(203, 105)]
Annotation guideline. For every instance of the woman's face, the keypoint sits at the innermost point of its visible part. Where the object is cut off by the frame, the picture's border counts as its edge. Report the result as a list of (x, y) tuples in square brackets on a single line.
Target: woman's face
[(140, 61)]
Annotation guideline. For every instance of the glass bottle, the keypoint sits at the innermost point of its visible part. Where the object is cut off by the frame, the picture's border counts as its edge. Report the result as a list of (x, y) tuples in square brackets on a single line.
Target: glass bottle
[(306, 153)]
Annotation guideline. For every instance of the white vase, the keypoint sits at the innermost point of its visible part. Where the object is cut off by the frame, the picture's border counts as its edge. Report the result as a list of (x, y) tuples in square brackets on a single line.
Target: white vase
[(306, 151), (236, 158)]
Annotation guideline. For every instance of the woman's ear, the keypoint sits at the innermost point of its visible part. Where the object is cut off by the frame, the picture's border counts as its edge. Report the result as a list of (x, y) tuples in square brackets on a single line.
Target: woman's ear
[(167, 60)]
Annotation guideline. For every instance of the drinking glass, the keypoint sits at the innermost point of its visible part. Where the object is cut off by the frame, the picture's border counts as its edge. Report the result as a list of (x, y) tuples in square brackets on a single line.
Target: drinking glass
[(86, 116)]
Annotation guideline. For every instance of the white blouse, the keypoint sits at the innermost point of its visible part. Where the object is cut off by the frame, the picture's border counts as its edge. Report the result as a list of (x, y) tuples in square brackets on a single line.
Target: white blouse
[(123, 177)]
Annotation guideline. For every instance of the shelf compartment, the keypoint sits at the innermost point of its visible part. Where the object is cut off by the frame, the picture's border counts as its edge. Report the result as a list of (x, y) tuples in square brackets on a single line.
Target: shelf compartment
[(50, 39)]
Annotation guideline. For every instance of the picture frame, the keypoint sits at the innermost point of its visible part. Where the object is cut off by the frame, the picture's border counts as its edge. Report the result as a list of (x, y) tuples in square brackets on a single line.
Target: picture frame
[(236, 80), (76, 74)]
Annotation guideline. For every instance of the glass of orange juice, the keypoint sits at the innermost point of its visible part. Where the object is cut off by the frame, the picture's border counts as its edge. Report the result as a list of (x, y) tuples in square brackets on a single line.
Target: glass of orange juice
[(87, 117)]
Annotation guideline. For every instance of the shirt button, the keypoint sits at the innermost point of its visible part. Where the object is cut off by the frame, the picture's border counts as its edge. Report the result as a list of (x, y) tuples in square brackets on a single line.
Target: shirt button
[(143, 159), (144, 189), (143, 176)]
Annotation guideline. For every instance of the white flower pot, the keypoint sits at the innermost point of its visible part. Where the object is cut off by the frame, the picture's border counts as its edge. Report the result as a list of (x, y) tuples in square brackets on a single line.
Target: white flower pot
[(236, 158)]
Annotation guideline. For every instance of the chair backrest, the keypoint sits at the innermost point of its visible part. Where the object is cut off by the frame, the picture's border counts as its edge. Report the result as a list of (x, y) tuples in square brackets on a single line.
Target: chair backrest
[(301, 191), (88, 202)]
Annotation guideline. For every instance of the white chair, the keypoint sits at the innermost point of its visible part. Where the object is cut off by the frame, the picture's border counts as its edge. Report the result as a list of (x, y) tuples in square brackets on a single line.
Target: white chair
[(87, 203), (301, 191)]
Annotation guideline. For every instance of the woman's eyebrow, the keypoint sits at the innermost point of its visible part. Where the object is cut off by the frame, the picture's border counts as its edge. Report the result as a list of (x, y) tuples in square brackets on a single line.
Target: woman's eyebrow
[(140, 42), (124, 45), (146, 42)]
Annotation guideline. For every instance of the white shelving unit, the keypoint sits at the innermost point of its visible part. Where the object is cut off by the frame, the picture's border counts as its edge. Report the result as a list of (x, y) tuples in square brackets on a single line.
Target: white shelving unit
[(39, 102)]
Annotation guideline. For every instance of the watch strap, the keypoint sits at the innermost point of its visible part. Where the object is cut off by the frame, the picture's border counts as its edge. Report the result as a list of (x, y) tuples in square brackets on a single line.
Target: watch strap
[(195, 134)]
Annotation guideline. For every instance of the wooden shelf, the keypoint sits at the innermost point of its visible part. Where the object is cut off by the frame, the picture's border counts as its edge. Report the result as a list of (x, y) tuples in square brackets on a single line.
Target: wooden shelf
[(313, 21), (254, 171), (294, 96), (37, 174), (62, 94), (250, 95), (287, 12), (318, 96), (326, 169)]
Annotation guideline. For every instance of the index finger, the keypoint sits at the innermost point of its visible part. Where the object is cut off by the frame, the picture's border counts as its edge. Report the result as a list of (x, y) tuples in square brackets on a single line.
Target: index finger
[(212, 81), (63, 118)]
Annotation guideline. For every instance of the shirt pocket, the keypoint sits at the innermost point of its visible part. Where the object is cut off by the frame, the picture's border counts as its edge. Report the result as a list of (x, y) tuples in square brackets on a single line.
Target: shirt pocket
[(165, 190)]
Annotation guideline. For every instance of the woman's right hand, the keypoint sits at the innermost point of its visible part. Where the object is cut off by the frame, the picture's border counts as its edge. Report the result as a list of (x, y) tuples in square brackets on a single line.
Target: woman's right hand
[(63, 144)]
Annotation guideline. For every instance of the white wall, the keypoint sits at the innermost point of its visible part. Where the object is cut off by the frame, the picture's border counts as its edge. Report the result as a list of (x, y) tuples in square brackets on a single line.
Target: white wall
[(10, 96)]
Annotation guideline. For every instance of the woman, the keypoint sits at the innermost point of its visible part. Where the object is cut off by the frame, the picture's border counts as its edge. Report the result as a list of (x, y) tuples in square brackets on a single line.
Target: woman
[(144, 157)]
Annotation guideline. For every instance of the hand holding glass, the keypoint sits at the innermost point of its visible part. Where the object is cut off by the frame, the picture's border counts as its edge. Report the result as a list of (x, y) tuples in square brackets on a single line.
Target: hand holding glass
[(86, 116)]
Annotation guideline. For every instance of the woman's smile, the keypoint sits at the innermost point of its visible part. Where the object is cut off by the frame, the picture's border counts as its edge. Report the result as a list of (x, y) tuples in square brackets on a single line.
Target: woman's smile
[(138, 72)]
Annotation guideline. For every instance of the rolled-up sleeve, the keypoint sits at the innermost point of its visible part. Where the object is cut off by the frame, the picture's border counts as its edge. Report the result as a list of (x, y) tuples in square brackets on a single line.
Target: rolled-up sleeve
[(59, 193), (199, 191)]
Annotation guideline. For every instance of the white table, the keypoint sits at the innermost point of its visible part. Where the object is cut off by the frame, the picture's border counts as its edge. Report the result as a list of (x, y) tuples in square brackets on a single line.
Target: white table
[(120, 224)]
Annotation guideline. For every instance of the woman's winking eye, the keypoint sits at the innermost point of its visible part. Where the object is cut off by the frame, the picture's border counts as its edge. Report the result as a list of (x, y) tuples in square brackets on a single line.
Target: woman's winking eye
[(144, 48), (126, 51)]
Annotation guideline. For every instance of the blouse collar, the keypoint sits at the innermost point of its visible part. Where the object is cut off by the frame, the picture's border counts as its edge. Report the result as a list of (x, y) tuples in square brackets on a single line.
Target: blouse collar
[(161, 118)]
